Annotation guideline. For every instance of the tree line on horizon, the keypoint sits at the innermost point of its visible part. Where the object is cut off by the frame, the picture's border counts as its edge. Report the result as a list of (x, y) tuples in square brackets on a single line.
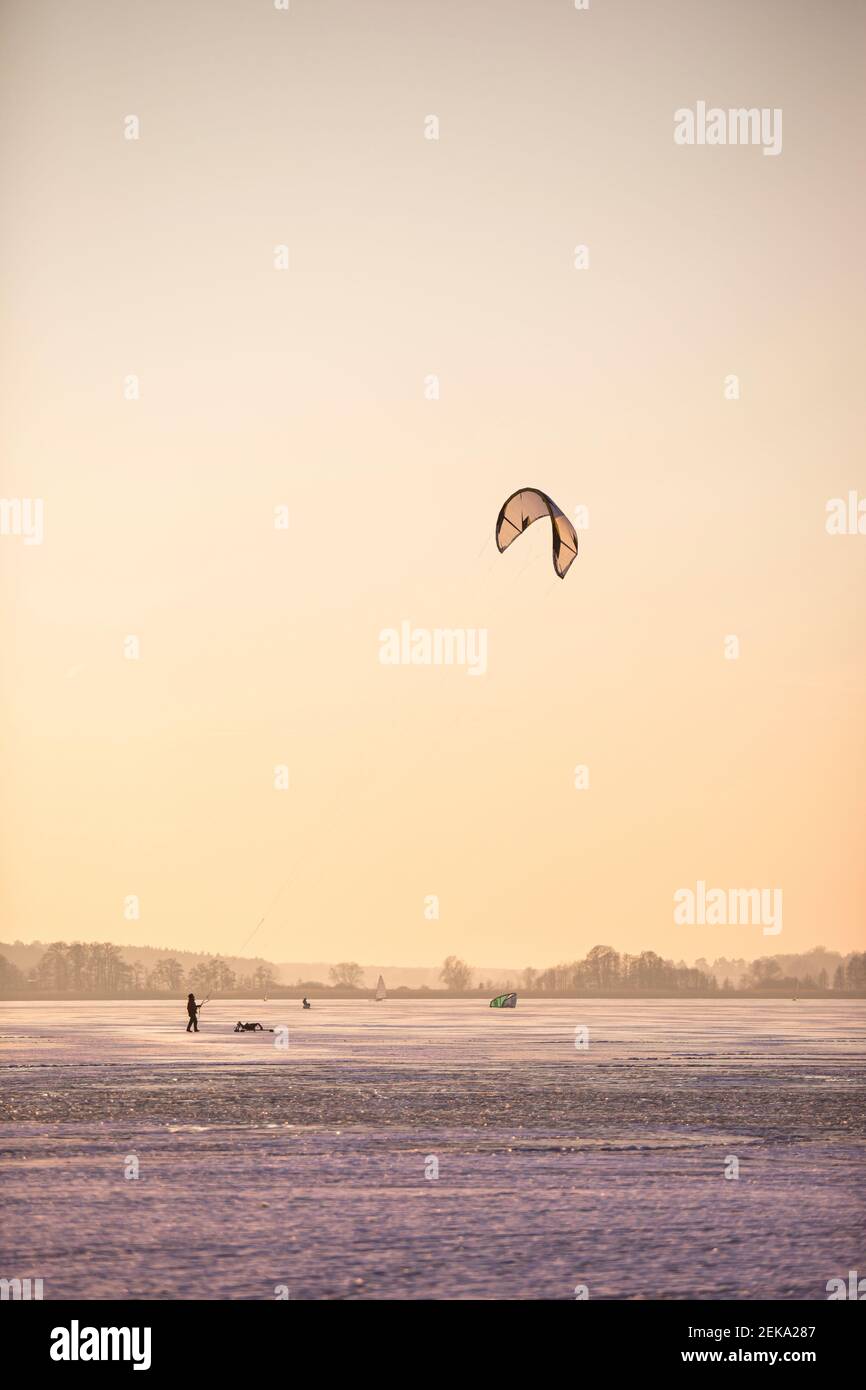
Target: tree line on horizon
[(85, 968), (99, 968), (605, 971)]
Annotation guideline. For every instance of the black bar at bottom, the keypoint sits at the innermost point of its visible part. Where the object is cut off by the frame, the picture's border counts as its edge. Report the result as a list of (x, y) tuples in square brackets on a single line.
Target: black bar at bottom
[(248, 1339)]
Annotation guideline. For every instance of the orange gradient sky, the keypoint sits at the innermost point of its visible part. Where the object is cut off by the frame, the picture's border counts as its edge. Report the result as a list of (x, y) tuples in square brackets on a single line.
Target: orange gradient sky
[(605, 387)]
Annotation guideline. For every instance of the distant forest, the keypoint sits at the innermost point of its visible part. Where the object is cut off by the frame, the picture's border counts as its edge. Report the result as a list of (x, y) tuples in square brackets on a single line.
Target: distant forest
[(605, 971), (99, 970)]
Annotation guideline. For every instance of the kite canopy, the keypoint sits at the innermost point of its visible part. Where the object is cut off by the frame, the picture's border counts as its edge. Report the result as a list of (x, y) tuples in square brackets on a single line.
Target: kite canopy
[(504, 1001), (526, 506)]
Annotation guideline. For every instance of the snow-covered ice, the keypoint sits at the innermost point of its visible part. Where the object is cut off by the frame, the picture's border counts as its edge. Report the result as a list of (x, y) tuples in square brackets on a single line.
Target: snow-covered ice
[(305, 1166)]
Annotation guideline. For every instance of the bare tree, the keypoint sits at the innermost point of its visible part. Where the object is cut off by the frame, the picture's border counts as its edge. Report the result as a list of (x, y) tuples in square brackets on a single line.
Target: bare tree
[(347, 975), (456, 975)]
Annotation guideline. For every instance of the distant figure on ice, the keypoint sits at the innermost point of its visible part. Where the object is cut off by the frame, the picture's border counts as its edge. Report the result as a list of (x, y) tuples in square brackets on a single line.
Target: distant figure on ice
[(307, 1004), (192, 1009)]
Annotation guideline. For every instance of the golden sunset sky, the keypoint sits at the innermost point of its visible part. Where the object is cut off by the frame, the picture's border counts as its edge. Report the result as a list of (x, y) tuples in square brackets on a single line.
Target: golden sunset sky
[(410, 257)]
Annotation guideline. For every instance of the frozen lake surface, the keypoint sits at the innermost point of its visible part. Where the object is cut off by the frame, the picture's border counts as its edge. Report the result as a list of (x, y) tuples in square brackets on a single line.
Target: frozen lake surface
[(306, 1166)]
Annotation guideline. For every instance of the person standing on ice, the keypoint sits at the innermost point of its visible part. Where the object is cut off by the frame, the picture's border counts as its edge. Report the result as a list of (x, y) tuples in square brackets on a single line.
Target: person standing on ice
[(192, 1009)]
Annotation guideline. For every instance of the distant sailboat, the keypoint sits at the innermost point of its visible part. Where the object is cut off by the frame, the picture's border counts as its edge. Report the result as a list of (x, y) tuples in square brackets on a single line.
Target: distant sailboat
[(380, 991)]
